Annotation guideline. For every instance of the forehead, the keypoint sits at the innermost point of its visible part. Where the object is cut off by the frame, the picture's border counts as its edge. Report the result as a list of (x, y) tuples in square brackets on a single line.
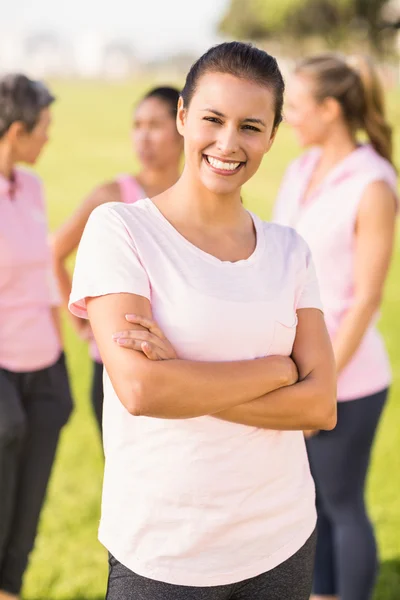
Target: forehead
[(234, 96), (152, 108)]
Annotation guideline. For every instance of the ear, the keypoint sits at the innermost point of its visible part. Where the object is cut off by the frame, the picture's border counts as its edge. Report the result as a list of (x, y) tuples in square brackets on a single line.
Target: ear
[(271, 139), (15, 131), (331, 109), (181, 116)]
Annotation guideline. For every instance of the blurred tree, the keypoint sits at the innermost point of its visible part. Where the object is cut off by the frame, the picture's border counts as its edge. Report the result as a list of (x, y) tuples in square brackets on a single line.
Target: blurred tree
[(332, 19)]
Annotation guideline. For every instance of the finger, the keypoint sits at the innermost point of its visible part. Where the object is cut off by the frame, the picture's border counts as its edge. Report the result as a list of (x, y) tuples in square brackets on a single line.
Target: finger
[(147, 323), (130, 343), (140, 335), (150, 351)]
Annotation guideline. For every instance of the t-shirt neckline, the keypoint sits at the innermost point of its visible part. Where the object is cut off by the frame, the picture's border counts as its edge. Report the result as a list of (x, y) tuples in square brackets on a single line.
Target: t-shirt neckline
[(202, 253)]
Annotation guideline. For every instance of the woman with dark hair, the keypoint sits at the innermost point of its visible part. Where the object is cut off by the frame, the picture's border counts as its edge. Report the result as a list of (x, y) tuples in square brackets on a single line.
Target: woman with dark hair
[(341, 197), (158, 146), (207, 489), (35, 400)]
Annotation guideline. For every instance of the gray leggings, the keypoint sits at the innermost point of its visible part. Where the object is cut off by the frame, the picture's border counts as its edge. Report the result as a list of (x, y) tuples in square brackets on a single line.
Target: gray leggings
[(291, 580), (346, 556)]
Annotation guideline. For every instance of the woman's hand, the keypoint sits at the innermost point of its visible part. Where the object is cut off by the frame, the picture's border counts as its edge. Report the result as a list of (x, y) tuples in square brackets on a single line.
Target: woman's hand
[(150, 340)]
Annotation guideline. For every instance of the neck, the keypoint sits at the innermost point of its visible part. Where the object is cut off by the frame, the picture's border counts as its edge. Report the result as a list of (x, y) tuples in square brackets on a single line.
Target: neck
[(339, 144), (6, 161), (158, 180), (192, 202)]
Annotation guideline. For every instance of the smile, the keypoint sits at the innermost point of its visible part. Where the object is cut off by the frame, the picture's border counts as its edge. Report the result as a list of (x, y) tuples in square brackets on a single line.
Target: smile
[(223, 167)]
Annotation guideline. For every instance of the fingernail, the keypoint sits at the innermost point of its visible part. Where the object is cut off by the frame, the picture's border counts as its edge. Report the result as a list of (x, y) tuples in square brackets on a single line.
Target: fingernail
[(130, 316), (121, 341), (116, 335)]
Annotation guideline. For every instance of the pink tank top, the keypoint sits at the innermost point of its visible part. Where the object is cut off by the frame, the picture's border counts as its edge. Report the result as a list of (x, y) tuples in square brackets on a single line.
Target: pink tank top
[(327, 221), (130, 191)]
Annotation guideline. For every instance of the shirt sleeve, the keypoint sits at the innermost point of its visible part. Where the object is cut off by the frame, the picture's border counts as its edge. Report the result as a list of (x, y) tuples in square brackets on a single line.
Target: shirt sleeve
[(308, 294), (107, 261)]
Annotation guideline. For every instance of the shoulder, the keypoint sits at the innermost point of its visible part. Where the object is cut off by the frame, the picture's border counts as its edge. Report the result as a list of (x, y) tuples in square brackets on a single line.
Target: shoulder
[(29, 179), (375, 172), (31, 186), (112, 215), (105, 193), (378, 198), (285, 242)]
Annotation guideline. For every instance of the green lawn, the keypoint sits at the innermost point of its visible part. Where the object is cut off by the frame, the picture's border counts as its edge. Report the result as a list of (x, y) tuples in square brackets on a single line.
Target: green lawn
[(90, 143)]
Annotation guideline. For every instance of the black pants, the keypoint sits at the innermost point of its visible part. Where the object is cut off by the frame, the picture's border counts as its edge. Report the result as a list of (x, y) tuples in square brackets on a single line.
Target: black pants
[(97, 393), (34, 407), (346, 556), (289, 581)]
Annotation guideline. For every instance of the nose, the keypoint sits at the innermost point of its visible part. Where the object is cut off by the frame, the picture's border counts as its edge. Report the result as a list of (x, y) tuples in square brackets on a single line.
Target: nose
[(228, 140)]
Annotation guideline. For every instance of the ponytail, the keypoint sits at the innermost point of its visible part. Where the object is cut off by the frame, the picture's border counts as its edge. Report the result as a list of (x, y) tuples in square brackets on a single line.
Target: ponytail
[(355, 84), (374, 121)]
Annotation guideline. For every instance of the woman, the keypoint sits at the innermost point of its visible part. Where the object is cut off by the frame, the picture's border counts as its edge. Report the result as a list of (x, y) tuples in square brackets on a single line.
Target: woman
[(341, 197), (159, 148), (188, 510), (35, 399)]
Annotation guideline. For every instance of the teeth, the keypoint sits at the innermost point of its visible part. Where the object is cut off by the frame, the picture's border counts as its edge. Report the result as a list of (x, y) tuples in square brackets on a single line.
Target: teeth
[(225, 166)]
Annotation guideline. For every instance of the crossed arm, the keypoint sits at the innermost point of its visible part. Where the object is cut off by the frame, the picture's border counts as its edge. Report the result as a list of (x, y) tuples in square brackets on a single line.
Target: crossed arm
[(259, 392)]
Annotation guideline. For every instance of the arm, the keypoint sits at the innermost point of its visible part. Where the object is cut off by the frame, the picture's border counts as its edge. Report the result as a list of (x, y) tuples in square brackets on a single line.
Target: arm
[(176, 389), (55, 314), (374, 237), (66, 240), (308, 404)]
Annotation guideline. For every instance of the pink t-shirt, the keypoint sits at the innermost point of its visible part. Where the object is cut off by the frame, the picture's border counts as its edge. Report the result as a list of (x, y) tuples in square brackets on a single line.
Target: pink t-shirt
[(200, 501), (130, 191), (28, 338), (327, 223)]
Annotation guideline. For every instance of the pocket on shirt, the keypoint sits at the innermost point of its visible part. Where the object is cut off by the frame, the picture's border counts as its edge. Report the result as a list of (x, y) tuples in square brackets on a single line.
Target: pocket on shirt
[(284, 333)]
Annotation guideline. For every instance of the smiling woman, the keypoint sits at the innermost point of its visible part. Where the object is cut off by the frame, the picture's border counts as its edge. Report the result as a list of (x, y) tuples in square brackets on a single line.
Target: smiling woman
[(207, 490)]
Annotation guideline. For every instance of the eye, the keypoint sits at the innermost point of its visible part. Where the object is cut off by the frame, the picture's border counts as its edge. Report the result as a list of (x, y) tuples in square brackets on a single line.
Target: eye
[(213, 120), (251, 128)]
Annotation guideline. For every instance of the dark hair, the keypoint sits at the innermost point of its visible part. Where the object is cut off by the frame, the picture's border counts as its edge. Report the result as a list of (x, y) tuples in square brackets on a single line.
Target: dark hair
[(168, 95), (240, 60), (355, 84), (22, 99)]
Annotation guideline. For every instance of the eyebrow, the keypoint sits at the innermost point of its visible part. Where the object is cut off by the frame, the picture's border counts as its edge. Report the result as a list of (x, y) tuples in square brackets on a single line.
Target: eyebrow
[(246, 120)]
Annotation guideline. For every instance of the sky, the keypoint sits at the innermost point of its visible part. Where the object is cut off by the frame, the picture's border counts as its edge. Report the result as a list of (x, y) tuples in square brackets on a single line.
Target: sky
[(155, 27)]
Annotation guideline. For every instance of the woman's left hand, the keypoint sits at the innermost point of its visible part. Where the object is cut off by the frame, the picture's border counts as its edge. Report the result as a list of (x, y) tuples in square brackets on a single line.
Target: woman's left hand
[(150, 340)]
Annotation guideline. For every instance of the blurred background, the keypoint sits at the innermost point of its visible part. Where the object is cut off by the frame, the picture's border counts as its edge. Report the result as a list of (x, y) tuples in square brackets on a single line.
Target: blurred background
[(99, 57)]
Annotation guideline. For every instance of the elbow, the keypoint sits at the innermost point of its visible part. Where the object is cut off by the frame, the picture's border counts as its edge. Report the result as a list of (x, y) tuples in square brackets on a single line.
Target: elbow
[(138, 395), (135, 400), (329, 418), (324, 410)]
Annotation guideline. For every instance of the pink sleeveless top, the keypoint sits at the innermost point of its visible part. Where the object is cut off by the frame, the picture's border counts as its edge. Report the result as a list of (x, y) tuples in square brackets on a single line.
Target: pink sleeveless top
[(130, 191), (28, 337), (327, 221)]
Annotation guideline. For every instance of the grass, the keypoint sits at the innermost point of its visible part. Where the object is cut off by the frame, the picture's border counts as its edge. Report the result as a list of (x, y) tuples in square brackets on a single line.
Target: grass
[(91, 144)]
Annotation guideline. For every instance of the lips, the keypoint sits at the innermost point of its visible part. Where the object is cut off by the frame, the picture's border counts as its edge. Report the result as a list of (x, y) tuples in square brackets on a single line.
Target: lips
[(223, 167)]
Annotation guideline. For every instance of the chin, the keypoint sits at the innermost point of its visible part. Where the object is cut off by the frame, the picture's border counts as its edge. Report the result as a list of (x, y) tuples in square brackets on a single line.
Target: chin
[(221, 188)]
